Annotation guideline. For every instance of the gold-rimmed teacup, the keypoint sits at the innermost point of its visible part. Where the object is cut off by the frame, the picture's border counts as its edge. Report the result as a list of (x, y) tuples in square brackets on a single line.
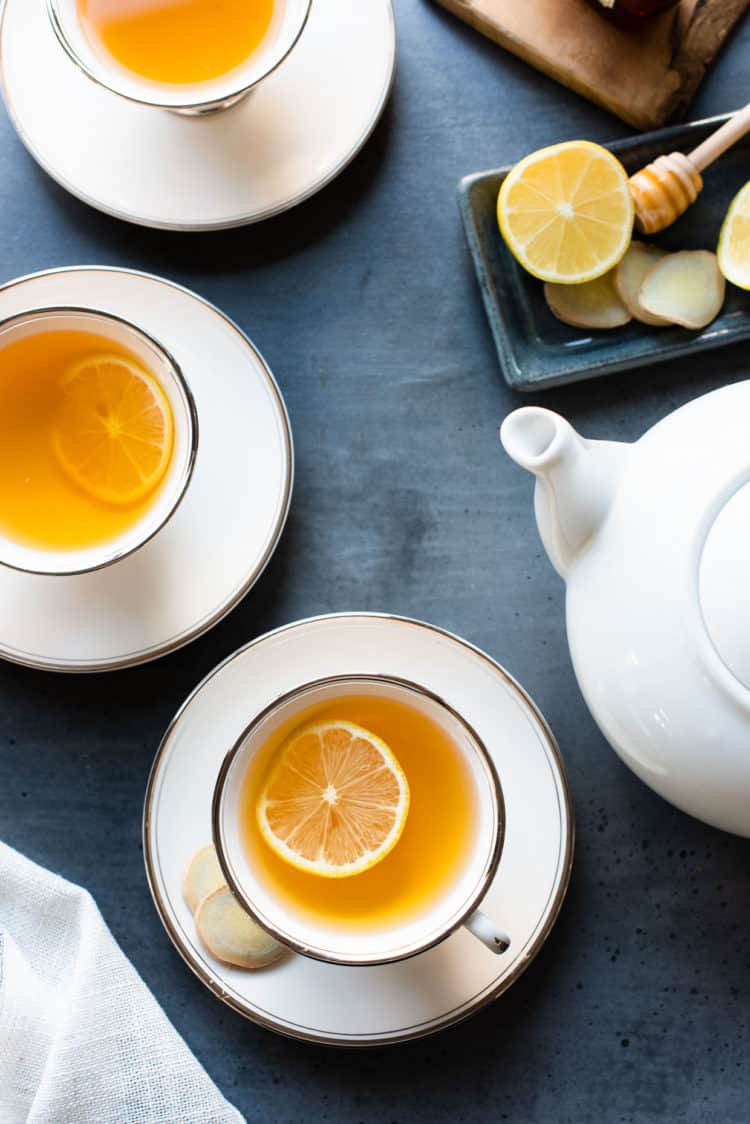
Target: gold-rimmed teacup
[(156, 359), (192, 99), (457, 906)]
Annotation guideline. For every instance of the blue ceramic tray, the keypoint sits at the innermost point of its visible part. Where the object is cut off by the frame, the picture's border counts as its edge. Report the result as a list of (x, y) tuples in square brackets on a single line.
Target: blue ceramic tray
[(535, 349)]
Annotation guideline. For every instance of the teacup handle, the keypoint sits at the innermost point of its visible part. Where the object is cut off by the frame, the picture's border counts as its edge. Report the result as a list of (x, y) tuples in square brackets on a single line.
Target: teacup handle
[(486, 931)]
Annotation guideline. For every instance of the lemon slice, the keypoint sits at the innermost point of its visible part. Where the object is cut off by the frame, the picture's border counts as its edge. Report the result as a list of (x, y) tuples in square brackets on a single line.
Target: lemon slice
[(733, 250), (566, 212), (335, 802), (113, 431)]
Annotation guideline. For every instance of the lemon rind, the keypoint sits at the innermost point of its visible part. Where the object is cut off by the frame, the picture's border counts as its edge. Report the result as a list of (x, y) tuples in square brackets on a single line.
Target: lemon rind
[(725, 263)]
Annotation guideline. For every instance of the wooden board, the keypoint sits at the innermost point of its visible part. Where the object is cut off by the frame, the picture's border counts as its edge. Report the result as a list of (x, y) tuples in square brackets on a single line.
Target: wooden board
[(644, 77)]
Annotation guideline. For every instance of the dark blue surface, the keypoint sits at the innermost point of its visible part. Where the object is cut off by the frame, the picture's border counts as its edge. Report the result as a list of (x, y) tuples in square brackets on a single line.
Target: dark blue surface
[(366, 306)]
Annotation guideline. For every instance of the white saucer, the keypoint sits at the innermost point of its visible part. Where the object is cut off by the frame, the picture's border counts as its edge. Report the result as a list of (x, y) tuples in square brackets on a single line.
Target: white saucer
[(293, 135), (225, 530), (389, 1003)]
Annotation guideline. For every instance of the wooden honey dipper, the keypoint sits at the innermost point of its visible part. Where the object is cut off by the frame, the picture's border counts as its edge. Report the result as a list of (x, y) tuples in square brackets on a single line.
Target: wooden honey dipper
[(664, 189)]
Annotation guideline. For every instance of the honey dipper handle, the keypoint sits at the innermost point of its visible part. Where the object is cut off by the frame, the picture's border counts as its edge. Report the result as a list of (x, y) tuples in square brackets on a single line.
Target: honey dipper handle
[(724, 137)]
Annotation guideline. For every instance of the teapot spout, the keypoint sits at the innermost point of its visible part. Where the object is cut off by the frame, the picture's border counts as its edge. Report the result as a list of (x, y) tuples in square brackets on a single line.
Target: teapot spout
[(576, 479)]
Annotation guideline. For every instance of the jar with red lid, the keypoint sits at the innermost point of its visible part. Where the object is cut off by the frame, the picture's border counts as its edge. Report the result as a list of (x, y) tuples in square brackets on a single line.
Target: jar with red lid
[(632, 12)]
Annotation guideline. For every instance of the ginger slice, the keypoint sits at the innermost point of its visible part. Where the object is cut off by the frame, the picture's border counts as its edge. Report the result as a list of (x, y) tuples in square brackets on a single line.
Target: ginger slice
[(630, 273), (594, 304), (686, 288), (231, 935), (202, 877)]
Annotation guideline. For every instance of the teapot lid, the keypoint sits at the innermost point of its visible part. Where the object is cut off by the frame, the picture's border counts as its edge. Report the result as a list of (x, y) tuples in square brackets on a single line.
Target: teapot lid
[(724, 584)]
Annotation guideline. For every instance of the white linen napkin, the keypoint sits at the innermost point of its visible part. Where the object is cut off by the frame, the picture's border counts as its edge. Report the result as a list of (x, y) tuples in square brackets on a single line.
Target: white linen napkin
[(81, 1037)]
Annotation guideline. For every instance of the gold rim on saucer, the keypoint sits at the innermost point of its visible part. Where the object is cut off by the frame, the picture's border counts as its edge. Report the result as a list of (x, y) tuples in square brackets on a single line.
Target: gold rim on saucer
[(236, 594), (25, 32), (215, 979)]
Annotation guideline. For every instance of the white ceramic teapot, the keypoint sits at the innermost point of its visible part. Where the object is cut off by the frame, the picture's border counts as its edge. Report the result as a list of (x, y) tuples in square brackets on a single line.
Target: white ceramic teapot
[(653, 541)]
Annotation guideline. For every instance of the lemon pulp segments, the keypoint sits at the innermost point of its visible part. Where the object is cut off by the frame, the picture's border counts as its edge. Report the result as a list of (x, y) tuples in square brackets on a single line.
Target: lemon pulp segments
[(335, 802), (113, 435), (566, 212)]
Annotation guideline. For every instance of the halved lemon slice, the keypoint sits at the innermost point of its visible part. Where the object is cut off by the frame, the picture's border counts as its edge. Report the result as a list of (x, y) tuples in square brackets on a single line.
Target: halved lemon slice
[(335, 802), (733, 250), (113, 433), (566, 212)]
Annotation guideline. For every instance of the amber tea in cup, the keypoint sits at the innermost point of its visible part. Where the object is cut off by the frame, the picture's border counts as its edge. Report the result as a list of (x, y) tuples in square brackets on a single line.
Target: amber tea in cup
[(97, 437), (437, 833), (167, 42), (189, 56), (359, 819)]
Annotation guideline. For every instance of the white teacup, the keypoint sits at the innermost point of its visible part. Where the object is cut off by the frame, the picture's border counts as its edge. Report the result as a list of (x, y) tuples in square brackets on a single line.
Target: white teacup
[(326, 941), (287, 24), (154, 357)]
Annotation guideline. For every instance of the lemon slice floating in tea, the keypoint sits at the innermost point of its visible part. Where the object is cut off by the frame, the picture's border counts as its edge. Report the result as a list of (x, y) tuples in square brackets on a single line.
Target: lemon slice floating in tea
[(335, 802), (566, 212), (113, 433)]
